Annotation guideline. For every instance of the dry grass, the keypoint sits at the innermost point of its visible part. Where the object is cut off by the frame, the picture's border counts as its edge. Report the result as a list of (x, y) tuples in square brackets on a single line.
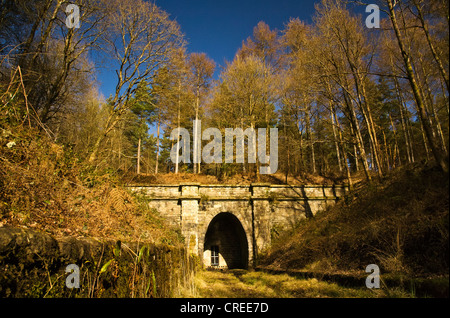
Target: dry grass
[(237, 179), (44, 186), (243, 284), (399, 223)]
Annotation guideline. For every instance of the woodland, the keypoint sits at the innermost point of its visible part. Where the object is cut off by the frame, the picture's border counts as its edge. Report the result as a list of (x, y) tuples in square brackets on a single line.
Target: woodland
[(346, 99), (366, 107)]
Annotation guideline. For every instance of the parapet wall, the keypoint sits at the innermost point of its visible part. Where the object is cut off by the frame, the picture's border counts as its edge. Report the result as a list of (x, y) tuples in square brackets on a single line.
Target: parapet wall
[(33, 264), (285, 201)]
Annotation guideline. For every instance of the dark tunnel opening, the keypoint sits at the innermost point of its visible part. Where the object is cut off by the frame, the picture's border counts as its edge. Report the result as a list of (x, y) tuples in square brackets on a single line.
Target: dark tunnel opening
[(226, 243)]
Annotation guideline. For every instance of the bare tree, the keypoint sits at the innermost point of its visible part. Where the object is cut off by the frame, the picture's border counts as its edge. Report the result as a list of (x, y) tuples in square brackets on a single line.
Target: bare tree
[(412, 78), (47, 50), (139, 39)]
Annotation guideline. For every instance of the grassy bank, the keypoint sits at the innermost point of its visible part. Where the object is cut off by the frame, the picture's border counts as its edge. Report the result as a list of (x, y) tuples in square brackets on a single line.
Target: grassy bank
[(56, 210), (244, 284), (45, 186), (399, 223)]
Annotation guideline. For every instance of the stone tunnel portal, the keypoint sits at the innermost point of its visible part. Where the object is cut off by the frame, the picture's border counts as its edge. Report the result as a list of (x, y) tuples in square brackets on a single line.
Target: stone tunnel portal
[(226, 243)]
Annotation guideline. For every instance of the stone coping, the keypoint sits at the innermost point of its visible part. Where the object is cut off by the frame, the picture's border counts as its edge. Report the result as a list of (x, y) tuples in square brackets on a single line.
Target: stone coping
[(241, 198), (237, 185)]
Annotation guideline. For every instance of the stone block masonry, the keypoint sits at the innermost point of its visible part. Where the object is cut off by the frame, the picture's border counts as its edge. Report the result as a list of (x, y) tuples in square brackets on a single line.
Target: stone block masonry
[(34, 264), (205, 214)]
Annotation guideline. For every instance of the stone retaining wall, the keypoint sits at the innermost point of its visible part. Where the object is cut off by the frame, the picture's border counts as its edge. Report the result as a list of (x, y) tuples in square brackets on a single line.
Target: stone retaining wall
[(33, 264)]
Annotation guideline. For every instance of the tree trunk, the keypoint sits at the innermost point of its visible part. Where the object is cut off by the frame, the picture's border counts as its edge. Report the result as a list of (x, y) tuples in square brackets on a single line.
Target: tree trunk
[(336, 142), (439, 157), (243, 143), (396, 148), (310, 140), (138, 168), (405, 127), (432, 106), (179, 124), (372, 133), (344, 153), (365, 109), (358, 137), (197, 139), (157, 142), (430, 44), (287, 143)]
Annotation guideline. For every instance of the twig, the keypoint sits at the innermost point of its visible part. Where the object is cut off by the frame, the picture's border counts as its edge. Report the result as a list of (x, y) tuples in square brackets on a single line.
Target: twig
[(28, 105), (25, 95)]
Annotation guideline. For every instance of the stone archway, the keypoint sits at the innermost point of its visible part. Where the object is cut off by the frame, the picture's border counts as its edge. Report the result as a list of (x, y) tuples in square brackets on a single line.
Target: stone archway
[(225, 244)]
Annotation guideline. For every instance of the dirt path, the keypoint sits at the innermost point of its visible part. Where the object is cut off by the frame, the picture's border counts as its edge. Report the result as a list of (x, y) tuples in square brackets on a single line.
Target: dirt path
[(250, 284)]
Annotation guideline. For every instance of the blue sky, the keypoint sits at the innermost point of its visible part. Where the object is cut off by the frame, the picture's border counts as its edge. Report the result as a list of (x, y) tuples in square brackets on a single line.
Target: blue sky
[(219, 27)]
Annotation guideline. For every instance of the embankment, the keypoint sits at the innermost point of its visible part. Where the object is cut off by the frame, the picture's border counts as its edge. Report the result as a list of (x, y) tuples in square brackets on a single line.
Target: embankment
[(400, 223)]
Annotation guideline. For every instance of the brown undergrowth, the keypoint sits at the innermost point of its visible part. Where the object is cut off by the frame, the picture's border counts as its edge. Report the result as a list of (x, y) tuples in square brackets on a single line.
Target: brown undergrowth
[(235, 179), (45, 186), (400, 223)]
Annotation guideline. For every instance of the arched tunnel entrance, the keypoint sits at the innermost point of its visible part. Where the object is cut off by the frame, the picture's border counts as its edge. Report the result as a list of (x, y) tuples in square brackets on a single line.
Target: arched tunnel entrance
[(226, 243)]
